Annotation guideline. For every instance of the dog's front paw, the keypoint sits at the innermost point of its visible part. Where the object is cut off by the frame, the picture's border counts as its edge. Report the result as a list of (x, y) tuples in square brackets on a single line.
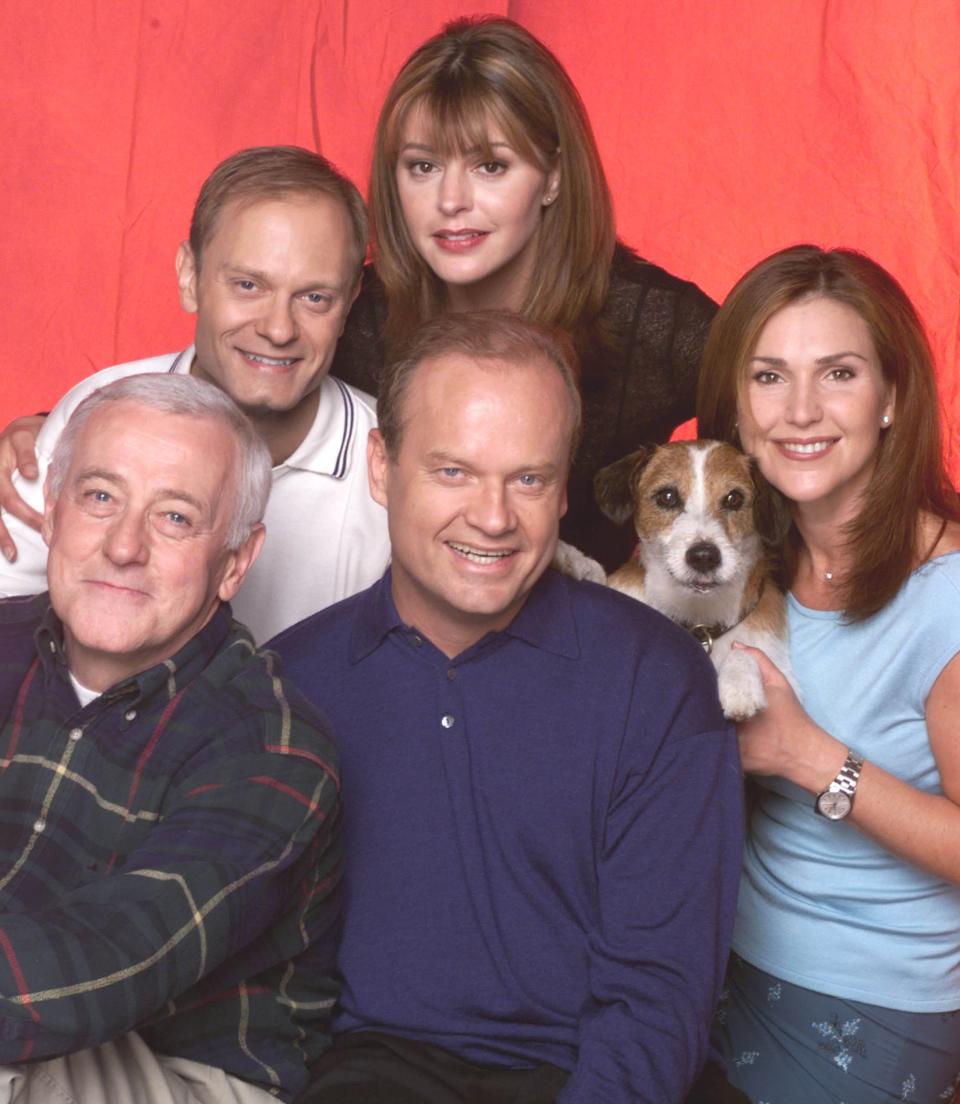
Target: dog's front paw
[(571, 561), (741, 687)]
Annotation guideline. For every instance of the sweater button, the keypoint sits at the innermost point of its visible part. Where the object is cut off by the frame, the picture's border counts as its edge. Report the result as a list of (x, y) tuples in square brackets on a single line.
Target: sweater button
[(76, 733), (447, 720), (39, 825)]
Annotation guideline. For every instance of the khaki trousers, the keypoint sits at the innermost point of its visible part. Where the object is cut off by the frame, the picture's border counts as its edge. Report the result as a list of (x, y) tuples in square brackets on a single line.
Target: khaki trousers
[(126, 1071)]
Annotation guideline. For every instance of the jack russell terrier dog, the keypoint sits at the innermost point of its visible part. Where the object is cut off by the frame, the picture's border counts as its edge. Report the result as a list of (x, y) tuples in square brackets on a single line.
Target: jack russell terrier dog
[(703, 514)]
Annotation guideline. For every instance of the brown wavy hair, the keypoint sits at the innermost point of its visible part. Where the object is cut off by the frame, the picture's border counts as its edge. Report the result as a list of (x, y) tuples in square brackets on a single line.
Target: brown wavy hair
[(473, 73), (910, 477)]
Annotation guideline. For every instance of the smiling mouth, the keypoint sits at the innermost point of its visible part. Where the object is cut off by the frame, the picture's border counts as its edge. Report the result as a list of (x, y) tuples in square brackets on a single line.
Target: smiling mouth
[(117, 588), (478, 555), (268, 361), (807, 448)]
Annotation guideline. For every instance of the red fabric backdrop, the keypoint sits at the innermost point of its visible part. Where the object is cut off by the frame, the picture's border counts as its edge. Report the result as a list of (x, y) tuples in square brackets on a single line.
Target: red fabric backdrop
[(728, 129)]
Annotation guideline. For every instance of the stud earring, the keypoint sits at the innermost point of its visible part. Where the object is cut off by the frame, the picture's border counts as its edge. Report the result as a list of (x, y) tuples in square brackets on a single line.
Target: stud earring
[(885, 420)]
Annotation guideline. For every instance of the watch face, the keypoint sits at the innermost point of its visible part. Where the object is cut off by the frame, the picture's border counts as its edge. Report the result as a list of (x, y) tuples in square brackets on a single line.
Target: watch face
[(835, 806)]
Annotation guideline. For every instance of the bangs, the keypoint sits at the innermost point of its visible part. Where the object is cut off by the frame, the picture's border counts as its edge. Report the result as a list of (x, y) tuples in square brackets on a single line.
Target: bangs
[(462, 121)]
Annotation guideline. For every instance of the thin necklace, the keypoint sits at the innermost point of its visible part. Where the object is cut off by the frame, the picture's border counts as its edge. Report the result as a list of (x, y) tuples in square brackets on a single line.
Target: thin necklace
[(828, 575)]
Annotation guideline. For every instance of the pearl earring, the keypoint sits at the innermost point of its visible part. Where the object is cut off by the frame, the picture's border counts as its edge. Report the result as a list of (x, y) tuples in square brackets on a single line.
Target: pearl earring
[(885, 420)]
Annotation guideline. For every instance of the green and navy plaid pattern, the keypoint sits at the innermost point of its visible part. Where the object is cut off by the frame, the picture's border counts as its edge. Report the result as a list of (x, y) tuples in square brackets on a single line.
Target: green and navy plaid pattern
[(169, 856)]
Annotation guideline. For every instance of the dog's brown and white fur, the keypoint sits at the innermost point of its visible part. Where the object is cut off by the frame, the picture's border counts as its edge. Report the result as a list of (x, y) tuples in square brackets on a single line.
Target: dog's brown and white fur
[(699, 509)]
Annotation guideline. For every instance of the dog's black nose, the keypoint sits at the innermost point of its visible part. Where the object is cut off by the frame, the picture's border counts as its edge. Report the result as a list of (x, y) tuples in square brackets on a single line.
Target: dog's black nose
[(703, 556)]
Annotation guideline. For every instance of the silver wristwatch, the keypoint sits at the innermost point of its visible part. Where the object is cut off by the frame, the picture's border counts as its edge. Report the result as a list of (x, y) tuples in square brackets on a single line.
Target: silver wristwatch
[(836, 801)]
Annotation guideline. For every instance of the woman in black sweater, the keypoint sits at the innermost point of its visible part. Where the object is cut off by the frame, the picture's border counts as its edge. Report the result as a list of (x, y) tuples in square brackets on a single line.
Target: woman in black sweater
[(487, 192)]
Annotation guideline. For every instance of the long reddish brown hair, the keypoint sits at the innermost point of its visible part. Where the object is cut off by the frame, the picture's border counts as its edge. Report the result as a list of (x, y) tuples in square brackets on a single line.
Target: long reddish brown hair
[(910, 478), (478, 71)]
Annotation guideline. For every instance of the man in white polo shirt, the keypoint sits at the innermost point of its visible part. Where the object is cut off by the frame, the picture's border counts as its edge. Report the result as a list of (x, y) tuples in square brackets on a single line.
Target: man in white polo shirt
[(271, 268)]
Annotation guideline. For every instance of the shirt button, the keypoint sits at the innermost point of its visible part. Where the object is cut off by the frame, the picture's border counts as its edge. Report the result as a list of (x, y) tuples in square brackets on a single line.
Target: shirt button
[(130, 715), (76, 733), (417, 640), (451, 674), (39, 825), (447, 720)]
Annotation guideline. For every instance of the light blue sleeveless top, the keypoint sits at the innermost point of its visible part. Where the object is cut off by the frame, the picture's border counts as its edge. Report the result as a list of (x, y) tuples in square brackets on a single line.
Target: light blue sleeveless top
[(821, 905)]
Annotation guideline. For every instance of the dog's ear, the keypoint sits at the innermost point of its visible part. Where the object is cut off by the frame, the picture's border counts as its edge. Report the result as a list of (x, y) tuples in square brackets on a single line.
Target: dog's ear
[(771, 516), (613, 485)]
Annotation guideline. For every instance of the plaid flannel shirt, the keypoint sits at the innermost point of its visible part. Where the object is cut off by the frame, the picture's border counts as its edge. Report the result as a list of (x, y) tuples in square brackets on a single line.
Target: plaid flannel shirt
[(169, 856)]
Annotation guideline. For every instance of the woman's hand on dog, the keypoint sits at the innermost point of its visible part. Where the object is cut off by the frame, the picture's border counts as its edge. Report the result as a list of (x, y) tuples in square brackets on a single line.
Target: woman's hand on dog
[(782, 739)]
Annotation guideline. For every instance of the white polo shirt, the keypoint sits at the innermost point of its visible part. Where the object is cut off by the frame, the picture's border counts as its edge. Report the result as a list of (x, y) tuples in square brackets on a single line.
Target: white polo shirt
[(326, 537)]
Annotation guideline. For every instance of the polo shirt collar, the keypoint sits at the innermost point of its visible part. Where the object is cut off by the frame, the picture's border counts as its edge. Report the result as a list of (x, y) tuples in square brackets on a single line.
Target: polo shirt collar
[(183, 362), (545, 621), (168, 677), (326, 448), (376, 617)]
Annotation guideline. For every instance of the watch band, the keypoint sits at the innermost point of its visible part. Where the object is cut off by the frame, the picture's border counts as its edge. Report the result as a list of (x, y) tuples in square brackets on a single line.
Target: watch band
[(849, 774), (836, 801)]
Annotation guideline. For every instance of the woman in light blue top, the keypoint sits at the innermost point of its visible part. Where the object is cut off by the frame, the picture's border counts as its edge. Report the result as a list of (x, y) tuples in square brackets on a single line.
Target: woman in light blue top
[(844, 984)]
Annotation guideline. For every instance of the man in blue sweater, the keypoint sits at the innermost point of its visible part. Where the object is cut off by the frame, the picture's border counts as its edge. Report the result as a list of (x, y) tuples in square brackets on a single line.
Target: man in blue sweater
[(543, 819)]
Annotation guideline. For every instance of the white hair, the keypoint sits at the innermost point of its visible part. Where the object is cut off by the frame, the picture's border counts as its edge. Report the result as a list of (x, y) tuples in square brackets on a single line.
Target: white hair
[(176, 394)]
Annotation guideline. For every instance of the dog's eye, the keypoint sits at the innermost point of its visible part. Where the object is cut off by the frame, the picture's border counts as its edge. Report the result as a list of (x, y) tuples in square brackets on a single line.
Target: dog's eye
[(667, 498), (733, 500)]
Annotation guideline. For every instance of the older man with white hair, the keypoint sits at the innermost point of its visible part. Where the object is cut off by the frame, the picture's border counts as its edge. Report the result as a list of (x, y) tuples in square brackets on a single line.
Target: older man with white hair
[(169, 841)]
